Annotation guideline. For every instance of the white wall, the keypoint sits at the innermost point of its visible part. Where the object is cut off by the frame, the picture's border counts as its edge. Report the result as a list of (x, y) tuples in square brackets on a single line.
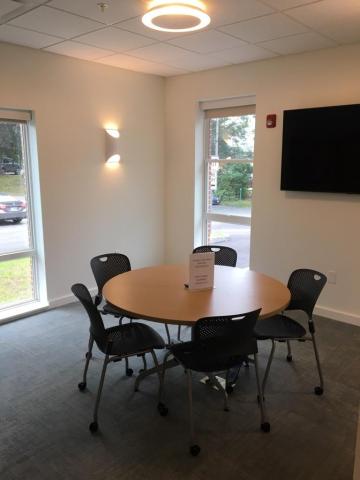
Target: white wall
[(289, 230), (87, 208)]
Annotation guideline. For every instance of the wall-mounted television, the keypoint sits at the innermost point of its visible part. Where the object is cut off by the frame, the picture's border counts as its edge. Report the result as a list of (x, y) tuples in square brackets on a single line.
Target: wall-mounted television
[(321, 149)]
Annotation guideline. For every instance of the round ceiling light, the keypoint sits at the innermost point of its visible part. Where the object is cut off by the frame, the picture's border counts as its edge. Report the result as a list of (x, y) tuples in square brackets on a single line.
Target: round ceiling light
[(176, 16)]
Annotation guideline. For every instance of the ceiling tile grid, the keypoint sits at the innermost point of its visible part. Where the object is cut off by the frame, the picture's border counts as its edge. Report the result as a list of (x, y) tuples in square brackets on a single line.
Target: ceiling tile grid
[(240, 31)]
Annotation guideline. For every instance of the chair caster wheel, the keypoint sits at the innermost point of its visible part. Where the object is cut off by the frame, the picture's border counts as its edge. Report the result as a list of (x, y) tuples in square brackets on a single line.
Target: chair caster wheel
[(93, 427), (265, 427), (194, 450), (82, 386), (246, 364), (289, 358), (318, 390), (88, 355), (258, 399), (129, 372), (162, 409), (229, 389)]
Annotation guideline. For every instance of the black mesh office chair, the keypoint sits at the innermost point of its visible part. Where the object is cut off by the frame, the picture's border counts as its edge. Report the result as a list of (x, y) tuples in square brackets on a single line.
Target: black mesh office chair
[(117, 343), (225, 256), (105, 267), (218, 344), (305, 286)]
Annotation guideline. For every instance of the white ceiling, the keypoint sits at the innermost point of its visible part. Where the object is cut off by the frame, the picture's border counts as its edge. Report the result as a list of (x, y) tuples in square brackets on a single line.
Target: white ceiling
[(240, 31)]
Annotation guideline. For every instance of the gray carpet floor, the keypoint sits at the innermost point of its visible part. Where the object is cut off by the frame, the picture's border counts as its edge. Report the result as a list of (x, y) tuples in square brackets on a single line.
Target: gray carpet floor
[(44, 418)]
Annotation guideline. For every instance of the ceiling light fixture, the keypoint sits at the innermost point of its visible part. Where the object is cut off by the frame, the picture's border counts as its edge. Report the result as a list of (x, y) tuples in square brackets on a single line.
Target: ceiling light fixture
[(176, 16)]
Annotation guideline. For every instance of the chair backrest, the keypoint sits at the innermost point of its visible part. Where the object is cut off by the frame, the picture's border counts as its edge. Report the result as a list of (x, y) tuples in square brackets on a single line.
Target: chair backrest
[(107, 266), (305, 286), (97, 328), (225, 256), (233, 334)]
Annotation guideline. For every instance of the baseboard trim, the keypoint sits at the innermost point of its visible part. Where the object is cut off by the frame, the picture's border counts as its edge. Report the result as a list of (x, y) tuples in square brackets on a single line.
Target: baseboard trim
[(67, 299), (338, 315)]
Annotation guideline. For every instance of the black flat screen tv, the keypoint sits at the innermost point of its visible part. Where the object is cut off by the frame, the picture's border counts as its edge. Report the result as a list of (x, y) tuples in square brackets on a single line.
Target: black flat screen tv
[(321, 149)]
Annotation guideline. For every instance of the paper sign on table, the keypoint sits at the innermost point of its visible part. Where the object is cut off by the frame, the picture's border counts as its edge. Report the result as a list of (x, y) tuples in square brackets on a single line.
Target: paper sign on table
[(201, 269)]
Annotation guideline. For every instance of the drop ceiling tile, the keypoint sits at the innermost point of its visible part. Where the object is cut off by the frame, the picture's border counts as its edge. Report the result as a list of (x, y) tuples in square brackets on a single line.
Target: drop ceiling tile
[(53, 22), (229, 11), (135, 25), (114, 39), (298, 43), (195, 61), (340, 20), (116, 10), (7, 6), (248, 53), (137, 64), (159, 52), (27, 38), (284, 4), (207, 42), (78, 50), (265, 28)]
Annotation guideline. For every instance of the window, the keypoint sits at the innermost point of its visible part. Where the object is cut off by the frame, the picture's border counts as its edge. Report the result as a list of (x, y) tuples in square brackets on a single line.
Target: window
[(229, 156), (21, 247)]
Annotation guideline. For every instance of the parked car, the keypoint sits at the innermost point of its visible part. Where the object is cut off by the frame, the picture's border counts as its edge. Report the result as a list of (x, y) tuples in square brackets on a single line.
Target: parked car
[(8, 165), (11, 208), (215, 200)]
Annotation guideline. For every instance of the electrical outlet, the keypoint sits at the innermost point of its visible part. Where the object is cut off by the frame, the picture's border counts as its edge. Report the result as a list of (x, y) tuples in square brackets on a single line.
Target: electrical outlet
[(331, 276)]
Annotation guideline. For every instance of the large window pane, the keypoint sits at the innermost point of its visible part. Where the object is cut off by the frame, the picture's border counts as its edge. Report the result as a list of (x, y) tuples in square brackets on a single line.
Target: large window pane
[(230, 188), (16, 285), (231, 235), (232, 137), (14, 231)]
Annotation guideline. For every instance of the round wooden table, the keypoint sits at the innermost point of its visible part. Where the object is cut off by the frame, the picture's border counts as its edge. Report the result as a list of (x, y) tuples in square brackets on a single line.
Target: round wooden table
[(158, 294)]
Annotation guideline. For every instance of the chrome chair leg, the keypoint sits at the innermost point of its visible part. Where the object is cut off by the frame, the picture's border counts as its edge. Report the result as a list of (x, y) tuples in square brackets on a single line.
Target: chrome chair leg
[(88, 355), (215, 381), (167, 333), (194, 449), (319, 390), (144, 362), (268, 367), (289, 354), (94, 425), (179, 333), (162, 377), (265, 425)]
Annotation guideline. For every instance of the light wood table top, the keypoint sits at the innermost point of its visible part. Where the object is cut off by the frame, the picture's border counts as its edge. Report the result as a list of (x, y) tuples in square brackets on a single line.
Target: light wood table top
[(158, 294)]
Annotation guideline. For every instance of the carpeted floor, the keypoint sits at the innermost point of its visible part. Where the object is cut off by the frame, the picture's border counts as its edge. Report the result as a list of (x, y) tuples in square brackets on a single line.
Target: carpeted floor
[(44, 418)]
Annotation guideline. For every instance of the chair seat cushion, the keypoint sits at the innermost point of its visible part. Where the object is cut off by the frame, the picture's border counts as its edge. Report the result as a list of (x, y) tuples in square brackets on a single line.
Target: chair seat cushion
[(132, 338), (212, 356), (278, 326)]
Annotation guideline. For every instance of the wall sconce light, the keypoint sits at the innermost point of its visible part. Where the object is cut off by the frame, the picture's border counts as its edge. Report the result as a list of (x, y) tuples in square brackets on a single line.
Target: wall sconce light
[(112, 144)]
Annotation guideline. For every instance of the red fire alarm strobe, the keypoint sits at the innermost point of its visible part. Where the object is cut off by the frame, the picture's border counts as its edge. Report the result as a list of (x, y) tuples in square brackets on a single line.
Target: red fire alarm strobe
[(271, 120)]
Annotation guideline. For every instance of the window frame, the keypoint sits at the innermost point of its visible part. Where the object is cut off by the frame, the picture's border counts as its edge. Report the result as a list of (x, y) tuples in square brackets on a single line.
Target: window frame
[(35, 250), (209, 114)]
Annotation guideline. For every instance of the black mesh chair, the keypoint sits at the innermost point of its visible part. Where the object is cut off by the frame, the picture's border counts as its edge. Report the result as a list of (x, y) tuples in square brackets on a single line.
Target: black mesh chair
[(116, 343), (225, 256), (218, 344), (105, 267), (305, 286)]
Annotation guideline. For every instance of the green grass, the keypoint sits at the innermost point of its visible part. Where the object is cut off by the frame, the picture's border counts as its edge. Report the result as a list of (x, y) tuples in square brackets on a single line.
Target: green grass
[(237, 203), (13, 184), (15, 280)]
